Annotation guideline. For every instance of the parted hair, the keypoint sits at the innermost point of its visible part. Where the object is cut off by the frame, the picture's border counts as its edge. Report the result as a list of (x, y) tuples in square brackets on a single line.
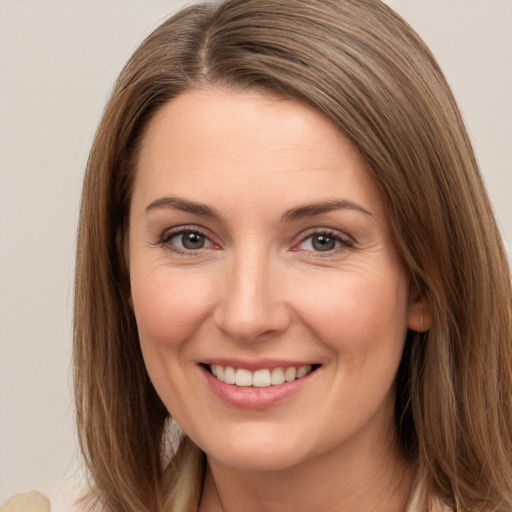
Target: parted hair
[(361, 65)]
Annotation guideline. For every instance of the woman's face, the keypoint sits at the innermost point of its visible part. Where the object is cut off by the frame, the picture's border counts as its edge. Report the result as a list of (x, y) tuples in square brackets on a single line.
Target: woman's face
[(259, 251)]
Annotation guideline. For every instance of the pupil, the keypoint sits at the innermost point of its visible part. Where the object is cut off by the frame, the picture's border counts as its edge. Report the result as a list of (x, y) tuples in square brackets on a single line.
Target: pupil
[(193, 241), (323, 243)]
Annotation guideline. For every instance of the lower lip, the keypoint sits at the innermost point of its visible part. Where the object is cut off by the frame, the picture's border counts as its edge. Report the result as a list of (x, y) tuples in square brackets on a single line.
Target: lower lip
[(254, 398)]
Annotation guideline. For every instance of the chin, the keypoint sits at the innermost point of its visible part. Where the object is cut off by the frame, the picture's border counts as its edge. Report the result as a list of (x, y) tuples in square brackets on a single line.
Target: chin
[(262, 451)]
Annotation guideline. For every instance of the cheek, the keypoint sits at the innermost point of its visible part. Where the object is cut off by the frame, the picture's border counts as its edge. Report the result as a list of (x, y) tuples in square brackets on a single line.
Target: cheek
[(353, 315), (363, 323), (168, 306), (169, 309)]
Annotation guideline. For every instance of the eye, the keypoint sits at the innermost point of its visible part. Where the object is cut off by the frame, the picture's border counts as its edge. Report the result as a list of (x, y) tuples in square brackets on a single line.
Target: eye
[(185, 240), (324, 242)]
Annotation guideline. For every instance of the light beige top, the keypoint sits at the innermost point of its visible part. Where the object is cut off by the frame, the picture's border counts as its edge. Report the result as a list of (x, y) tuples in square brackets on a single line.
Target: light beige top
[(27, 502), (36, 502), (416, 500)]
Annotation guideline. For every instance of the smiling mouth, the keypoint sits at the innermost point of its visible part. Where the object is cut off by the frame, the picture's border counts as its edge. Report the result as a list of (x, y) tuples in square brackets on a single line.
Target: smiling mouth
[(263, 378)]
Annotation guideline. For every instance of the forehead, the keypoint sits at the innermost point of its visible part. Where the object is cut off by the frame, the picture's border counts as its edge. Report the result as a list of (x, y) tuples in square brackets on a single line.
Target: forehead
[(210, 141)]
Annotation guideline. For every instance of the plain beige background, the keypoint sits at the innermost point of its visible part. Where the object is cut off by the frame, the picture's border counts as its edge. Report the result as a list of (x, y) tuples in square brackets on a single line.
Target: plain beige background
[(58, 61)]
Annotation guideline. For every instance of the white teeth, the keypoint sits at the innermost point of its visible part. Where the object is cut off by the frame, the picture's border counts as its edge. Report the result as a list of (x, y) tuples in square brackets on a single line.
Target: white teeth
[(229, 375), (303, 371), (243, 378), (260, 378), (290, 374), (277, 376)]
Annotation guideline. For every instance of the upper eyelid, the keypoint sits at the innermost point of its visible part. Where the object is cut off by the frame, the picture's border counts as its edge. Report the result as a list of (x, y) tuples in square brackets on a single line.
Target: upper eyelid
[(325, 231), (164, 241), (186, 228), (169, 233), (346, 242)]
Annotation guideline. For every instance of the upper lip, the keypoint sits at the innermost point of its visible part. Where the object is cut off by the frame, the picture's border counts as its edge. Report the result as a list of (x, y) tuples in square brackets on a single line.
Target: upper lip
[(257, 364)]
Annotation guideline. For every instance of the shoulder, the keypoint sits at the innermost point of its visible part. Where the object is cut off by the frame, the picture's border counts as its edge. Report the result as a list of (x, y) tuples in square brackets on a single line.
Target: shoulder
[(27, 502)]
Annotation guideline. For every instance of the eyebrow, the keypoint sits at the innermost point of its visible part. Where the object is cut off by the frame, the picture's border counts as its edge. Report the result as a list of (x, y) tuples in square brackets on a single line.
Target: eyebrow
[(184, 205), (300, 212), (311, 210)]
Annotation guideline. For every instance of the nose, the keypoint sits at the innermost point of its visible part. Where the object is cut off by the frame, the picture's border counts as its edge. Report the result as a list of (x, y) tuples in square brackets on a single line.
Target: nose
[(251, 303)]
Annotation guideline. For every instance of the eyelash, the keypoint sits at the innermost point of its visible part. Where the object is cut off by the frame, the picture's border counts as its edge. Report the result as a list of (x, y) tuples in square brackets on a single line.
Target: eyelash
[(167, 236), (345, 243)]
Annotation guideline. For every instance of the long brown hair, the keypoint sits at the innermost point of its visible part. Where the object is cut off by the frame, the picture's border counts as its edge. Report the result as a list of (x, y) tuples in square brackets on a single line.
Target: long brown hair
[(365, 68)]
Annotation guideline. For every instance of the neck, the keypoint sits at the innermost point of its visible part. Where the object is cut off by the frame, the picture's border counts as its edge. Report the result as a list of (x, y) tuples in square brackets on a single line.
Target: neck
[(375, 479)]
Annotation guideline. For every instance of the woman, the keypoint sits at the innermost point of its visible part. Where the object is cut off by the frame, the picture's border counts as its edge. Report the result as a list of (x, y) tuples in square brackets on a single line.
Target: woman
[(285, 245)]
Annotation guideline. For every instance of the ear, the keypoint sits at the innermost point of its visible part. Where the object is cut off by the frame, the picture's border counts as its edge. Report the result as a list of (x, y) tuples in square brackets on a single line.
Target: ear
[(419, 312)]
